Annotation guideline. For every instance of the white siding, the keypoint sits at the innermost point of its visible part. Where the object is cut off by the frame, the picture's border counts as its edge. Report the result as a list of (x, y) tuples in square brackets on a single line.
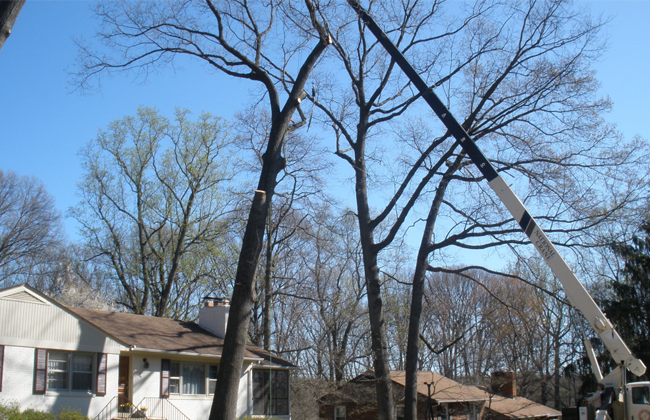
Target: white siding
[(30, 324), (18, 385)]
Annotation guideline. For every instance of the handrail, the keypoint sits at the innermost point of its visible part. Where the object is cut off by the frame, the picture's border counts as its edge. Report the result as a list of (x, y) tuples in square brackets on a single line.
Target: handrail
[(159, 408), (114, 410)]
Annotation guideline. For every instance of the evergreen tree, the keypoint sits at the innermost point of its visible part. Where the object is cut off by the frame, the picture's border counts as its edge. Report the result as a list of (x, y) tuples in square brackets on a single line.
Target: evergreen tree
[(629, 309)]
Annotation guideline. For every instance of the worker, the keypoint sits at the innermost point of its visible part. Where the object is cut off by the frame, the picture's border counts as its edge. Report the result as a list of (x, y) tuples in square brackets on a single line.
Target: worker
[(602, 400)]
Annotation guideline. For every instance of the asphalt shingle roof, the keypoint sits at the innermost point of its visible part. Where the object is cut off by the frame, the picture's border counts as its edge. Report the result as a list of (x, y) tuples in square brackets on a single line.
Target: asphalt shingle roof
[(164, 334)]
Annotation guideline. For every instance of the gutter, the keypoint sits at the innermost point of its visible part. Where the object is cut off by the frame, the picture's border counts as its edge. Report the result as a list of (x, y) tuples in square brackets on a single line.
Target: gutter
[(134, 348)]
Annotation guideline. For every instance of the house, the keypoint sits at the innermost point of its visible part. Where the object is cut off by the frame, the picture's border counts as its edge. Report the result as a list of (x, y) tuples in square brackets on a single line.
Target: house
[(106, 363), (446, 399)]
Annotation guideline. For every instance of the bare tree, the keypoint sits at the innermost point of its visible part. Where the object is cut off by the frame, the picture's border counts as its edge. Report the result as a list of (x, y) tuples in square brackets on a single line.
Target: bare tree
[(300, 188), (378, 96), (531, 90), (475, 323), (332, 284), (30, 230), (525, 93)]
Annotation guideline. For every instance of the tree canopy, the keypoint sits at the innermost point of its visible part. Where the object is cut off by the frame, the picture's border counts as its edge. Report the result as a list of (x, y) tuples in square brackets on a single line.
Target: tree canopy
[(153, 207)]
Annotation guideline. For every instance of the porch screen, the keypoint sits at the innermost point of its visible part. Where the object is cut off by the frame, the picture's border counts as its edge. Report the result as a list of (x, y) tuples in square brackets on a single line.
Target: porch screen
[(270, 392), (164, 378)]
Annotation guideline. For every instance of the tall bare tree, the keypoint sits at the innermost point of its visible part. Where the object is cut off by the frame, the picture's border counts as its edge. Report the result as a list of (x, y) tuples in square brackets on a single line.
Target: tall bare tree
[(332, 285), (300, 188), (238, 38), (379, 95), (532, 90)]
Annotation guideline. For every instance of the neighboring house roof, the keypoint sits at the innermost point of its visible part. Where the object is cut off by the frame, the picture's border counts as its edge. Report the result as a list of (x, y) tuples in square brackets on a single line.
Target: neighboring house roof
[(520, 408), (443, 389)]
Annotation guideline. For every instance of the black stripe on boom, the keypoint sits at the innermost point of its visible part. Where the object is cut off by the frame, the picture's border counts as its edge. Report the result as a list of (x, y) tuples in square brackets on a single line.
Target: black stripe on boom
[(531, 227), (429, 96), (525, 220)]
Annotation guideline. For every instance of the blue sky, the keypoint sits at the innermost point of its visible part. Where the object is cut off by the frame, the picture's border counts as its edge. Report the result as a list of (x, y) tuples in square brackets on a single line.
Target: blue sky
[(43, 124)]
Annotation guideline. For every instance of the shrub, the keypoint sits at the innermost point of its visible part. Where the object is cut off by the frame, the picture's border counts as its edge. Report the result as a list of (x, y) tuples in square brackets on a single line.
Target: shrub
[(68, 414), (11, 411), (31, 414)]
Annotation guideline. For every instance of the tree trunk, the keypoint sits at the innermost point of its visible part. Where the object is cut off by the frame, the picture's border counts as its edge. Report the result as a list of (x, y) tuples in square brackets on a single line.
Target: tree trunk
[(224, 405), (9, 10), (226, 393), (383, 383), (417, 292)]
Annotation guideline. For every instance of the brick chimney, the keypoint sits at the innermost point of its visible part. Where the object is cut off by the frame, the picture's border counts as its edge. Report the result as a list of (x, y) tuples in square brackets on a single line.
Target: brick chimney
[(504, 383), (213, 316)]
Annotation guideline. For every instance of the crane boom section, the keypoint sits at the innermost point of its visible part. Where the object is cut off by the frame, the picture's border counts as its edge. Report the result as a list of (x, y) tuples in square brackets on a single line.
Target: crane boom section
[(576, 292)]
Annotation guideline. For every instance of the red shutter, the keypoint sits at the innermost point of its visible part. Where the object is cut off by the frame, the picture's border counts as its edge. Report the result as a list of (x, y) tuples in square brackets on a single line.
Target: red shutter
[(40, 371), (101, 374), (2, 364), (164, 378)]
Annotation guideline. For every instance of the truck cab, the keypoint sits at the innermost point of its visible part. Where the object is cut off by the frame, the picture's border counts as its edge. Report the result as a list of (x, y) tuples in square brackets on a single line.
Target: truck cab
[(637, 401)]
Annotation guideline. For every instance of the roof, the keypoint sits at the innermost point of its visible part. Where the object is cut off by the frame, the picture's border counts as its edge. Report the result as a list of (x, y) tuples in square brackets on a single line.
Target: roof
[(167, 335), (443, 389), (520, 408)]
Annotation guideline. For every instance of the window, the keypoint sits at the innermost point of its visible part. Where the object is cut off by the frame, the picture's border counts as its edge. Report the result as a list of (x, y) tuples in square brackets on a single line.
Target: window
[(174, 378), (399, 411), (640, 395), (270, 392), (193, 379), (212, 378), (339, 412), (67, 371), (472, 412), (443, 412), (184, 378)]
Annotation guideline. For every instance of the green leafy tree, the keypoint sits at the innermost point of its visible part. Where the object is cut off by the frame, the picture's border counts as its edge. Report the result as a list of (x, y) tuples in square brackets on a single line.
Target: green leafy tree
[(152, 209)]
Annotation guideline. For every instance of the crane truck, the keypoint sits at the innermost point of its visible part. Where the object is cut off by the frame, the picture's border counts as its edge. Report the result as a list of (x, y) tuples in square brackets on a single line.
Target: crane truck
[(631, 401)]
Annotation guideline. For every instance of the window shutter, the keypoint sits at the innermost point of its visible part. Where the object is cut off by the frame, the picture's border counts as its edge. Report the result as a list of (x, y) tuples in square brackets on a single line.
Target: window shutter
[(40, 371), (101, 374), (164, 378), (2, 364)]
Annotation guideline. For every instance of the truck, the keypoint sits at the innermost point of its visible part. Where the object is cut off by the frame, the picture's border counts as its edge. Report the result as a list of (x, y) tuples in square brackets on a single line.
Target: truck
[(630, 401)]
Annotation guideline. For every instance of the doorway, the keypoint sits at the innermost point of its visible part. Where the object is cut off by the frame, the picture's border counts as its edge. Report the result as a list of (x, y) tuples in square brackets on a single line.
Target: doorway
[(124, 382)]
